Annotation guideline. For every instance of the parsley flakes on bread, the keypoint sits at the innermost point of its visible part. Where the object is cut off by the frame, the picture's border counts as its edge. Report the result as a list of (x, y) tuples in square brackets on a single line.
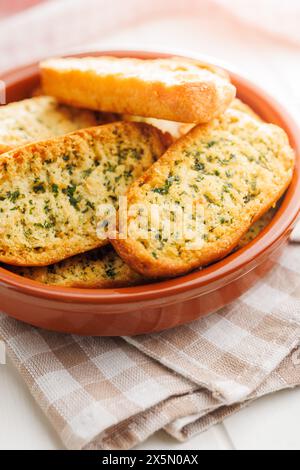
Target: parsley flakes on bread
[(235, 169), (40, 118), (50, 190)]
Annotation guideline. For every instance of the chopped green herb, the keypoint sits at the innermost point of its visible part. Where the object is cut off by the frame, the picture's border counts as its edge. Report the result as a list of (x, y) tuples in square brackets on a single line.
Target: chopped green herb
[(227, 187), (247, 198), (87, 172), (199, 166), (209, 199), (13, 196), (70, 191), (127, 174), (54, 189), (211, 143), (39, 188), (110, 271), (47, 207), (110, 167), (89, 205), (168, 183), (70, 168)]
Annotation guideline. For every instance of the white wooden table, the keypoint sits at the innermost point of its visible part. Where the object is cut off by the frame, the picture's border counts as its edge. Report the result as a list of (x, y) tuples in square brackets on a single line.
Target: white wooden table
[(271, 422)]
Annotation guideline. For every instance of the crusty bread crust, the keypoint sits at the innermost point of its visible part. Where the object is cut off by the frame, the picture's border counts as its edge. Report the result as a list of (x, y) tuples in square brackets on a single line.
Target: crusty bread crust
[(50, 191), (5, 148), (41, 118), (98, 269), (235, 168), (174, 89)]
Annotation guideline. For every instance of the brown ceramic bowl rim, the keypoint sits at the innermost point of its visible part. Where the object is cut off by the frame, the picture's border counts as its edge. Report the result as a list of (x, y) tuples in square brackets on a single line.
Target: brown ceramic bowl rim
[(282, 222)]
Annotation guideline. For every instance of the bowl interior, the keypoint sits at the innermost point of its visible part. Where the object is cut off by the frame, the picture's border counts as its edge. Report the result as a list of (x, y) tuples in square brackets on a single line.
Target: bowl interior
[(19, 85)]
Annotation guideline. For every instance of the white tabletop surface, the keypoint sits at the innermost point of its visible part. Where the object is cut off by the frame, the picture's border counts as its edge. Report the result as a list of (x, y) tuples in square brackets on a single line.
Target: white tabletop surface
[(269, 423)]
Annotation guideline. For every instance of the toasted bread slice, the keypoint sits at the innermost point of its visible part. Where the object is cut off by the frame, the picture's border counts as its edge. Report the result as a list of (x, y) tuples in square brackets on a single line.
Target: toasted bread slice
[(257, 228), (50, 191), (231, 170), (98, 269), (41, 118), (175, 89), (102, 268)]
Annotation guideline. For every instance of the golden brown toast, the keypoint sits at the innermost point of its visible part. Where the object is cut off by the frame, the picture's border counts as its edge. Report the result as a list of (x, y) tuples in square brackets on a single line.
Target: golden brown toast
[(98, 269), (41, 118), (233, 170), (174, 89), (50, 190), (102, 268)]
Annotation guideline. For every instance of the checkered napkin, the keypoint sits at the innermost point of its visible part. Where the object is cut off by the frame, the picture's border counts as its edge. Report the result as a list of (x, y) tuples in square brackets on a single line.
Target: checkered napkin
[(112, 393)]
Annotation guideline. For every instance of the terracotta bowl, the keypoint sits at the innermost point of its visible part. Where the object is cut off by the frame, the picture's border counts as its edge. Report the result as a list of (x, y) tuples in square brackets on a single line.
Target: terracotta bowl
[(150, 308)]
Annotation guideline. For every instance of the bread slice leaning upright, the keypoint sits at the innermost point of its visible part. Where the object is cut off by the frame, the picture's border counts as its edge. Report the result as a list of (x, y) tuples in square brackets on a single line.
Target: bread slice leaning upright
[(175, 88), (224, 176), (50, 191)]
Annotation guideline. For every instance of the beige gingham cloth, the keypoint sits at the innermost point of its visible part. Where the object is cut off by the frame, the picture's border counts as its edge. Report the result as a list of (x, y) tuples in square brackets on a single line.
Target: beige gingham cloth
[(109, 393)]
